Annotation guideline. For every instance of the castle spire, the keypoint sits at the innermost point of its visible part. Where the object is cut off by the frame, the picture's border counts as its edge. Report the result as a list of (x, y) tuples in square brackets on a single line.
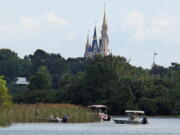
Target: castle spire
[(95, 33), (104, 41), (105, 25), (87, 38), (88, 49), (101, 48), (95, 43)]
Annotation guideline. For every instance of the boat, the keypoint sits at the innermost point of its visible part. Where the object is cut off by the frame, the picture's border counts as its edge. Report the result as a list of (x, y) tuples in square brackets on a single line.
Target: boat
[(101, 110), (132, 118), (51, 120)]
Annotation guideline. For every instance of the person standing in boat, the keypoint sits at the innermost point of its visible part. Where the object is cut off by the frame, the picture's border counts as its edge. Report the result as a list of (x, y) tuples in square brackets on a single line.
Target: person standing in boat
[(132, 116), (65, 118)]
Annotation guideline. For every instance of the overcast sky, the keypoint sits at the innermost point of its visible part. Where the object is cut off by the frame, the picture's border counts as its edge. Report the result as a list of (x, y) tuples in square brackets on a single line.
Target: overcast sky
[(136, 27)]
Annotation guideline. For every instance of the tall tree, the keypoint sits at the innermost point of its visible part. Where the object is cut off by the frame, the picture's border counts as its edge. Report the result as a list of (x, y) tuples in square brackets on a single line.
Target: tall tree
[(10, 64), (5, 98), (41, 80)]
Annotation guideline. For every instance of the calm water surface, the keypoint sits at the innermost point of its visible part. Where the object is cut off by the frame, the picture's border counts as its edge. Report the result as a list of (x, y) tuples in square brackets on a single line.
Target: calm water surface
[(157, 126)]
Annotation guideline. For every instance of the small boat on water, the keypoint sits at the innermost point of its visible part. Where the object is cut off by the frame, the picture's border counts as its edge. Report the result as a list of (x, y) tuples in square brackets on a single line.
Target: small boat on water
[(55, 120), (101, 110), (52, 119), (132, 118)]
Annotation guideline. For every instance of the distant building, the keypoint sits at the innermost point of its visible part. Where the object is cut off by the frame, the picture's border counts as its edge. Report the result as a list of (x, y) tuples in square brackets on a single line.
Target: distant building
[(101, 48), (21, 81)]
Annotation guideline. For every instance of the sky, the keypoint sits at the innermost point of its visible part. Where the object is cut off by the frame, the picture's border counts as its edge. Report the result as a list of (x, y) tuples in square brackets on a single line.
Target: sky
[(137, 28)]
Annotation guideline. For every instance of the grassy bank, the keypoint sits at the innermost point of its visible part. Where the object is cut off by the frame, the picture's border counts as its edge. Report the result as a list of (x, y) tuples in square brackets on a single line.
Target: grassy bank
[(4, 121), (21, 113)]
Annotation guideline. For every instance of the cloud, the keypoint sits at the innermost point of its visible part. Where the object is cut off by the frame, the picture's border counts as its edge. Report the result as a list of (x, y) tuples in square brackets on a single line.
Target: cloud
[(141, 28), (70, 36), (133, 22), (29, 22), (53, 19), (18, 26), (49, 20)]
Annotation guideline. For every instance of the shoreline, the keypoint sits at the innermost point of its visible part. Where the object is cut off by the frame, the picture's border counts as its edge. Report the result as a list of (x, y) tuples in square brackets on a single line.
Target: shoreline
[(124, 116)]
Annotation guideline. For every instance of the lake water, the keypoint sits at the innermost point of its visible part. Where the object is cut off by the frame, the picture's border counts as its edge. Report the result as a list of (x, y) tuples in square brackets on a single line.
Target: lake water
[(157, 126)]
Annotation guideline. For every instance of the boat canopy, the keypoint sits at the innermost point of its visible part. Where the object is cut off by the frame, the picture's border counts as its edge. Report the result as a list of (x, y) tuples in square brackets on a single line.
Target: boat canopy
[(97, 106), (134, 111)]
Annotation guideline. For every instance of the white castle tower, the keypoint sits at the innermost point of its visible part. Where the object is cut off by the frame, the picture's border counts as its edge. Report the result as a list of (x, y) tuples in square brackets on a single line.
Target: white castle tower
[(103, 47), (104, 41)]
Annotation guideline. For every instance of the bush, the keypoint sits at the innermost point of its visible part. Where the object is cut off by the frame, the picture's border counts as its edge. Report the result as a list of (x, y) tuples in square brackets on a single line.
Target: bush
[(5, 98)]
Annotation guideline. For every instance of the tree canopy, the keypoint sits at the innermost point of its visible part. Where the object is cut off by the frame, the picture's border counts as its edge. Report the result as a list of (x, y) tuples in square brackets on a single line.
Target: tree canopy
[(41, 80), (108, 80)]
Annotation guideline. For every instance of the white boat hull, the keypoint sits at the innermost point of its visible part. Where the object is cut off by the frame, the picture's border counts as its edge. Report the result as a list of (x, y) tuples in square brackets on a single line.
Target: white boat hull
[(127, 122)]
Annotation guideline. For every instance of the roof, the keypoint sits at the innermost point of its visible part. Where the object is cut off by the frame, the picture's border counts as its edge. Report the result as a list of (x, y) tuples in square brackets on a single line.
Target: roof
[(97, 106), (134, 111), (22, 81)]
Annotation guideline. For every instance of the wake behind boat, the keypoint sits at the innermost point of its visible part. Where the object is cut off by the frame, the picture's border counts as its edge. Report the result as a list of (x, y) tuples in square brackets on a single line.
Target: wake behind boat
[(132, 118)]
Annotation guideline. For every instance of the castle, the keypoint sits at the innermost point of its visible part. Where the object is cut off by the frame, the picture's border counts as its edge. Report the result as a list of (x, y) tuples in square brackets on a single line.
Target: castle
[(101, 46)]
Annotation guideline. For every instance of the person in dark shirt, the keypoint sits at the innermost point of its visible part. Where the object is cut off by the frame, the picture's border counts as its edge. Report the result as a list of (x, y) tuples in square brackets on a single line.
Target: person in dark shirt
[(65, 118)]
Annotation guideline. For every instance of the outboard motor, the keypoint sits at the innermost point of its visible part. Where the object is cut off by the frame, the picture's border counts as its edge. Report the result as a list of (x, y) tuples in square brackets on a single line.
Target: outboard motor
[(144, 120), (109, 118)]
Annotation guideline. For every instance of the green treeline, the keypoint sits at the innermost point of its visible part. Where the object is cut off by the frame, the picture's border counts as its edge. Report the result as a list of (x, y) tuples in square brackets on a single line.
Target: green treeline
[(109, 80)]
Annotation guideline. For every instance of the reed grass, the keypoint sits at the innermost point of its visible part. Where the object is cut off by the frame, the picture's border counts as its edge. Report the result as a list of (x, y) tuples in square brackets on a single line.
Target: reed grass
[(4, 121), (23, 113)]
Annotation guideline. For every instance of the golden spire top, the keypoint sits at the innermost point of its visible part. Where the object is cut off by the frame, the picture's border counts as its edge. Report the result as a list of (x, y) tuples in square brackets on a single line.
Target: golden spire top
[(104, 19)]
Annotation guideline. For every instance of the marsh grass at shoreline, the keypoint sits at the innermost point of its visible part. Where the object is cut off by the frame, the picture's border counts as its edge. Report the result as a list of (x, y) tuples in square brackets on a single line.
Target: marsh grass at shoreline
[(33, 113)]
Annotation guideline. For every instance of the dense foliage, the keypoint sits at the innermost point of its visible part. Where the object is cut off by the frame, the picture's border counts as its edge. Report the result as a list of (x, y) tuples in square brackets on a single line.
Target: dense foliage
[(109, 80), (5, 98), (41, 80)]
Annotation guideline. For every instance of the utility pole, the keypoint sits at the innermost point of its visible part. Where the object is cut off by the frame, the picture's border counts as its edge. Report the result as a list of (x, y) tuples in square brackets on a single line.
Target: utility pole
[(154, 58), (172, 77)]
